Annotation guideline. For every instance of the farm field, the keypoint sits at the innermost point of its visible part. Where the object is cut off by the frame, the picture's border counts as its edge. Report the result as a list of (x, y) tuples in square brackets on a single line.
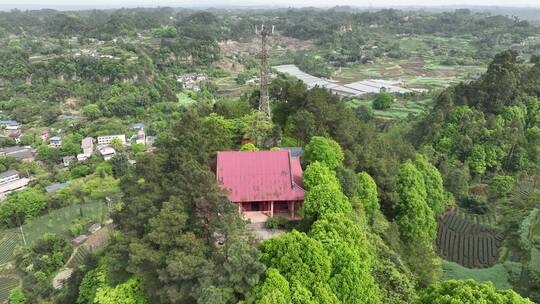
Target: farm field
[(418, 73), (7, 283), (58, 222), (398, 110), (466, 242)]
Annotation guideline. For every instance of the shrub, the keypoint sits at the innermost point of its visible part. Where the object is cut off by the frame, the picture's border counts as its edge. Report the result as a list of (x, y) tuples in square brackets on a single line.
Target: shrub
[(16, 296), (276, 222), (501, 186), (382, 101)]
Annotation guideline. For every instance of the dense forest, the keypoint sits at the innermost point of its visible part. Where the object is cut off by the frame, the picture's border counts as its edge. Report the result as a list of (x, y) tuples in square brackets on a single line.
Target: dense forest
[(437, 205)]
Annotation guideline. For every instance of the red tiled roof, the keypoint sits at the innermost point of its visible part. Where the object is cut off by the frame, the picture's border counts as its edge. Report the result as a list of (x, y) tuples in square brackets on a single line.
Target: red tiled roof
[(260, 176)]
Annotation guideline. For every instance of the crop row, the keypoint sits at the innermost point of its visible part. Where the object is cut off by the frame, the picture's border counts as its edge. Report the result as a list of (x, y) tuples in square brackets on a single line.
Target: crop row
[(466, 243)]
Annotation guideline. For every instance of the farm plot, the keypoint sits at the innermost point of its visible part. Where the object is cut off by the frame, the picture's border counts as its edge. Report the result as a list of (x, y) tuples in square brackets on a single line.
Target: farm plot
[(400, 109), (7, 283), (10, 239), (467, 243), (58, 221)]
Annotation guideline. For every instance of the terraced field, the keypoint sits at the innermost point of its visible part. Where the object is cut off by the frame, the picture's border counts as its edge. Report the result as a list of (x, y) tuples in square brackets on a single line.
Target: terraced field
[(9, 239), (398, 110), (7, 283), (468, 240), (57, 221)]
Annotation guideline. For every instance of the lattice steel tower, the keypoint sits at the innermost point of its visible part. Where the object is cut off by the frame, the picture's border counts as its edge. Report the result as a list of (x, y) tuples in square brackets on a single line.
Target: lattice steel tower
[(264, 102)]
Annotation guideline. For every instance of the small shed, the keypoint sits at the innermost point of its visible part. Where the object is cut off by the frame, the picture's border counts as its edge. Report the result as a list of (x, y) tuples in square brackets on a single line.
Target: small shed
[(79, 240), (94, 228)]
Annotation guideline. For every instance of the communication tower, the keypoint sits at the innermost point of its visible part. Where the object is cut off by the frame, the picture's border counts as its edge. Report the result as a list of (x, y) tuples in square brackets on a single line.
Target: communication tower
[(264, 103)]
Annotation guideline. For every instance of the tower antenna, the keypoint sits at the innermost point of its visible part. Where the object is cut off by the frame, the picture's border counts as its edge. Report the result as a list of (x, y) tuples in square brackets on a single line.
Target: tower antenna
[(264, 103)]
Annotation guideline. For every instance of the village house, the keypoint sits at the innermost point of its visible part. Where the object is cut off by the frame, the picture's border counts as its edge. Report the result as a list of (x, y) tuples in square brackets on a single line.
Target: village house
[(87, 146), (13, 127), (262, 183), (138, 126), (55, 142), (44, 135), (11, 181), (10, 124), (23, 154), (8, 176), (107, 153), (108, 139), (140, 137)]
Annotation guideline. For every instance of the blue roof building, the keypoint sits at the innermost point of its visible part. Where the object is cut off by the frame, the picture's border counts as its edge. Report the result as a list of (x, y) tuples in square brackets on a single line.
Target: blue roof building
[(56, 187), (138, 126)]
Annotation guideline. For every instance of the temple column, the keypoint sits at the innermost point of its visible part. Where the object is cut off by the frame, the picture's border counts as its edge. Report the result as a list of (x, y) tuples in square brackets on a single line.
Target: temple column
[(271, 208), (292, 209)]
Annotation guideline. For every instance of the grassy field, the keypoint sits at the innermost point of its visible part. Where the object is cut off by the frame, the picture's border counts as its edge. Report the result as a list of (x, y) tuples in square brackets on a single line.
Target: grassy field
[(500, 274)]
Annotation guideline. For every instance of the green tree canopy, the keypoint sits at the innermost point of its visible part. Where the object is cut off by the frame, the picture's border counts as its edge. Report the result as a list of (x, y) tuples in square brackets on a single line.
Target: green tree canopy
[(21, 206), (468, 292), (414, 217), (318, 174), (249, 147), (129, 292), (382, 101), (367, 192), (16, 296), (275, 289), (324, 150), (436, 196), (324, 199), (303, 262), (347, 244)]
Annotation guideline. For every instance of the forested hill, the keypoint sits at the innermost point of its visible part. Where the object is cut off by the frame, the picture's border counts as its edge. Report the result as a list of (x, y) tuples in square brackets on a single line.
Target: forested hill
[(491, 124)]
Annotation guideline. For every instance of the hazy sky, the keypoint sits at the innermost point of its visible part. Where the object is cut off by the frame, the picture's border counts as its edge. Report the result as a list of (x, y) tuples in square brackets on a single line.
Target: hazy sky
[(191, 3)]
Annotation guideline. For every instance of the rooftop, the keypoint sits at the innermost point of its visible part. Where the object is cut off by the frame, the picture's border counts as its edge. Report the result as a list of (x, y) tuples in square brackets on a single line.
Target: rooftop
[(8, 173), (13, 149), (137, 126), (107, 151), (295, 151), (260, 176), (56, 187), (87, 142)]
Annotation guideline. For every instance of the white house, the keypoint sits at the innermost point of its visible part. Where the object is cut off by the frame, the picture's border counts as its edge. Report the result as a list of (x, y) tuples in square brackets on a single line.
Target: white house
[(8, 176), (10, 181), (87, 145), (107, 139), (140, 137), (13, 127)]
